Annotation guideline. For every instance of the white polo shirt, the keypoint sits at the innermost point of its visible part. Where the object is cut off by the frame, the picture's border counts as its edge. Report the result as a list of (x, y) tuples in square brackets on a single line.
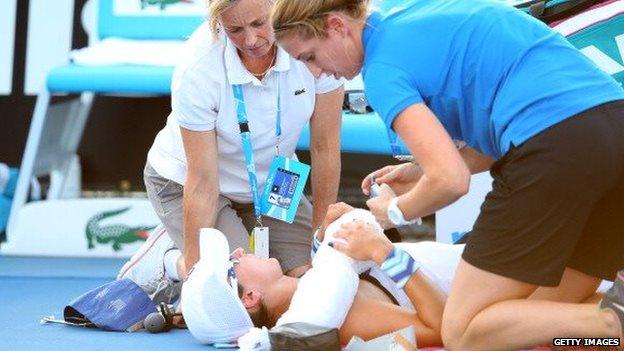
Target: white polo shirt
[(202, 100)]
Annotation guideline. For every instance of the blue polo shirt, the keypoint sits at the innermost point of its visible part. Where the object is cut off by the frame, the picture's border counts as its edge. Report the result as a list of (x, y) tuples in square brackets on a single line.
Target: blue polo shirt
[(493, 75)]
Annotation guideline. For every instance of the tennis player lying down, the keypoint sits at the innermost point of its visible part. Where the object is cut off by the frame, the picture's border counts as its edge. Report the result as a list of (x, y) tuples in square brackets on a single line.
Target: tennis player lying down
[(401, 285), (392, 288)]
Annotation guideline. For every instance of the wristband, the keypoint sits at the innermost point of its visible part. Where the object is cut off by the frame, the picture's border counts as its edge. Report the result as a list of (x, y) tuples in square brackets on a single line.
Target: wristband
[(316, 243), (399, 266)]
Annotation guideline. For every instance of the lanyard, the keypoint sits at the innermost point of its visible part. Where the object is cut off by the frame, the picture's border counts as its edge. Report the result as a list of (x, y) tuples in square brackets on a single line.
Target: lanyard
[(245, 133)]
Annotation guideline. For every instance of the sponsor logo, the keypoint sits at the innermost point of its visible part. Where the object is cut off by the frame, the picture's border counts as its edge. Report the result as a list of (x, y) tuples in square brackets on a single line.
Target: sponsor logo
[(162, 3), (114, 234), (607, 52)]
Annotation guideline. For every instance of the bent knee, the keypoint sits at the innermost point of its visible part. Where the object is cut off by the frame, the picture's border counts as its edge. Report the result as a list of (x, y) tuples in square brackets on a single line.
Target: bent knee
[(453, 335)]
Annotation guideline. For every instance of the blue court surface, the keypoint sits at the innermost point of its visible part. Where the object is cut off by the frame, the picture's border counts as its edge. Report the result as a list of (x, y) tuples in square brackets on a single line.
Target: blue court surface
[(31, 288)]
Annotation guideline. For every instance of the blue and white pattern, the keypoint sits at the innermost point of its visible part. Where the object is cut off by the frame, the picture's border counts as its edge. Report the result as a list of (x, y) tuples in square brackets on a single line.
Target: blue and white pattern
[(241, 113), (399, 266), (316, 243)]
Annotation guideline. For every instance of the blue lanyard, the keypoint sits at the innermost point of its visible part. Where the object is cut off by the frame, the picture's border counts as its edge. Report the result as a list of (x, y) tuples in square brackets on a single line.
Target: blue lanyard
[(241, 113)]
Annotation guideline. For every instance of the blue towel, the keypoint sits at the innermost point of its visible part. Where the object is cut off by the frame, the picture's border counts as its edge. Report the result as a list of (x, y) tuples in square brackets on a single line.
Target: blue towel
[(117, 306), (8, 180), (9, 189), (5, 208)]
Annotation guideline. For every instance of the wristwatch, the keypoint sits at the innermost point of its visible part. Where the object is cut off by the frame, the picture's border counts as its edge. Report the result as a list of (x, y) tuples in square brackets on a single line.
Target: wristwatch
[(396, 216)]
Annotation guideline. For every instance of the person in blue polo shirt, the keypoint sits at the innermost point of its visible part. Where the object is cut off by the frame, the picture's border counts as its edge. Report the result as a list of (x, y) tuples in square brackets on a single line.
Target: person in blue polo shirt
[(519, 94)]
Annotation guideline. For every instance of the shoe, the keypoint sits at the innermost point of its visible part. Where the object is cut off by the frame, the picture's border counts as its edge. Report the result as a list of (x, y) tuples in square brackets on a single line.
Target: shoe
[(146, 268), (614, 300)]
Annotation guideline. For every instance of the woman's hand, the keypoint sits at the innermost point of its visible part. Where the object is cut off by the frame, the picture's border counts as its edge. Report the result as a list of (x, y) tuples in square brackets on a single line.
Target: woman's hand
[(401, 178), (362, 241), (379, 206), (181, 267), (334, 212)]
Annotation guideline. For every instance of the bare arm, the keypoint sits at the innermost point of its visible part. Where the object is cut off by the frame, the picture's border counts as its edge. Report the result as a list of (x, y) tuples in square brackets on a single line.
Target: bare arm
[(363, 241), (325, 152), (427, 298), (476, 161), (403, 177), (445, 175), (201, 189), (387, 318)]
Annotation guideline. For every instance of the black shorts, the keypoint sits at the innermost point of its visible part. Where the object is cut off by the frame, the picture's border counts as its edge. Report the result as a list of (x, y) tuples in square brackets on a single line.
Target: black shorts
[(557, 201)]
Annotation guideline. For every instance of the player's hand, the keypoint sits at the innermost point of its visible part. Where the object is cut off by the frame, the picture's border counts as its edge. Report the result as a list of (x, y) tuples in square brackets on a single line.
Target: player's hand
[(181, 267), (362, 241)]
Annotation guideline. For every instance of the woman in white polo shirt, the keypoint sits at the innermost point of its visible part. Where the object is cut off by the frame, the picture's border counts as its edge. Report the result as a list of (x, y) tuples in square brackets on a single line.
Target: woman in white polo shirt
[(196, 172)]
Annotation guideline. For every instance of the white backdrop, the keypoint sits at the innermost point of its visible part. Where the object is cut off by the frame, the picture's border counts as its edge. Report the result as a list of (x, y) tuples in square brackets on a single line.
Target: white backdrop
[(182, 8), (7, 43), (49, 39), (460, 216)]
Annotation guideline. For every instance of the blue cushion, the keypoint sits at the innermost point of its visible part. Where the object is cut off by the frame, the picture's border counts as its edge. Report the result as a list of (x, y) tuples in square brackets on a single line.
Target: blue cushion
[(110, 79), (364, 134)]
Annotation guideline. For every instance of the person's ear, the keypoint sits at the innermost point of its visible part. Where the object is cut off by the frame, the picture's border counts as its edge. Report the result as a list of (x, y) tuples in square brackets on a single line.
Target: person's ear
[(251, 299), (335, 24)]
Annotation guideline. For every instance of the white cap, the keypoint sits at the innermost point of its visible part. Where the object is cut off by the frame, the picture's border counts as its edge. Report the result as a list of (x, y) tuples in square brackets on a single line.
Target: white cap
[(212, 310)]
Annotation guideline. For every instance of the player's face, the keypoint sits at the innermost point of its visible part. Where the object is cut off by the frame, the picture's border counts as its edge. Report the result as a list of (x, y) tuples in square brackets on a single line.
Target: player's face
[(255, 271)]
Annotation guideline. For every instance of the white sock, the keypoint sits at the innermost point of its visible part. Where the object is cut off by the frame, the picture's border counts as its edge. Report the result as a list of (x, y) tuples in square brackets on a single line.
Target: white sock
[(171, 264)]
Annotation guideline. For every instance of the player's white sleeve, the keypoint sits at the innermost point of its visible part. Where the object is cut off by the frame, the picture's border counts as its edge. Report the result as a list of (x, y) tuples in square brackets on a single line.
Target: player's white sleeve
[(326, 292)]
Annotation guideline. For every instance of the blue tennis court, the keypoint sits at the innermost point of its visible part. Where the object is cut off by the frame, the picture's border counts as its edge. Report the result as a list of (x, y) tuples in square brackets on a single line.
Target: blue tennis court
[(32, 288)]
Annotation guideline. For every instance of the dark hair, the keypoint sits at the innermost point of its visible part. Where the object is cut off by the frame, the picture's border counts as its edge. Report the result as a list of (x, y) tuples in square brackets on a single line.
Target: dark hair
[(259, 318)]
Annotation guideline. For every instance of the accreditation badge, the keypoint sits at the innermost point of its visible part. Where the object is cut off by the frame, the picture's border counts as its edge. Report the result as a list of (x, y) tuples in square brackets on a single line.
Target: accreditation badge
[(284, 188), (259, 243)]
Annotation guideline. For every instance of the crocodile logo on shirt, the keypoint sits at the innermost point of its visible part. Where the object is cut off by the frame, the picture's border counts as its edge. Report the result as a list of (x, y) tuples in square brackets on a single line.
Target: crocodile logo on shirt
[(300, 91)]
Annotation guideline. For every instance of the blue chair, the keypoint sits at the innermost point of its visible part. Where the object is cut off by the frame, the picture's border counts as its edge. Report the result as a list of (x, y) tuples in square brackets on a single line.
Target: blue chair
[(56, 129)]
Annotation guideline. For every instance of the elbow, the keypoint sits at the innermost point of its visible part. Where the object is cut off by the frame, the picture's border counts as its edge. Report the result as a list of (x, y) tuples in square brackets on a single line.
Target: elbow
[(200, 187), (325, 154), (453, 184), (325, 147), (461, 184), (459, 181)]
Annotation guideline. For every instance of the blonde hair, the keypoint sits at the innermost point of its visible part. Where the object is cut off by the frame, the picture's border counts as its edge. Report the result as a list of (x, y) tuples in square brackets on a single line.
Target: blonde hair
[(216, 9), (307, 17)]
